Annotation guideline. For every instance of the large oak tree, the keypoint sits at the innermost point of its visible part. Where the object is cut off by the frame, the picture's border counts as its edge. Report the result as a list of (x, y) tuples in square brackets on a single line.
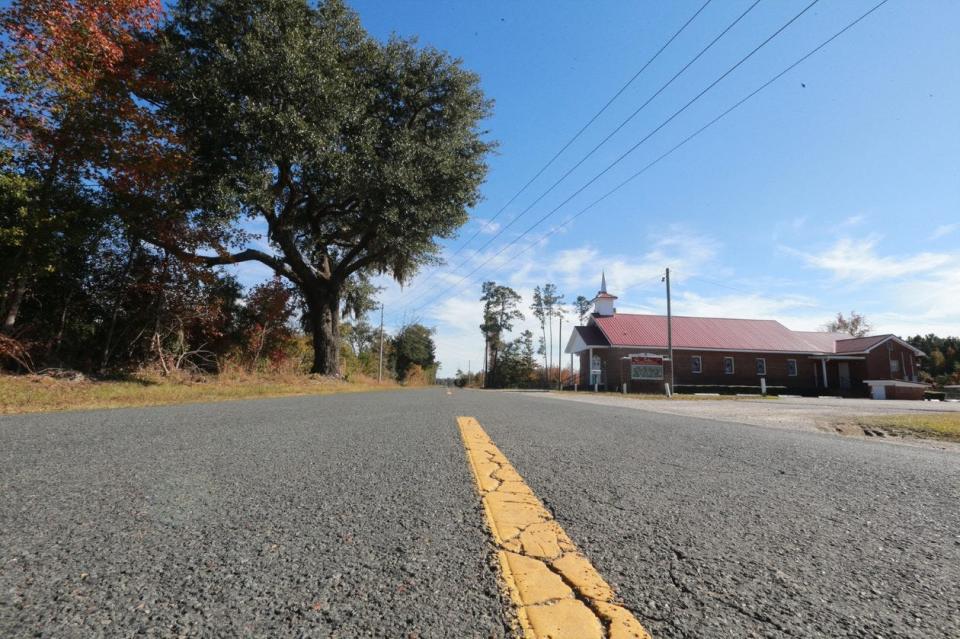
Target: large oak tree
[(357, 155)]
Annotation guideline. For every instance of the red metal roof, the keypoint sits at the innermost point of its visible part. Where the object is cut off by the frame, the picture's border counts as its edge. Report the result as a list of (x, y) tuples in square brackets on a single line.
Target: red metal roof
[(630, 330), (822, 341), (859, 344)]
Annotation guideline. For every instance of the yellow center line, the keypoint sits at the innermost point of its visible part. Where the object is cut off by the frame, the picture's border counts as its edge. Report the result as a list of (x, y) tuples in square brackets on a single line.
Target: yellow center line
[(556, 591)]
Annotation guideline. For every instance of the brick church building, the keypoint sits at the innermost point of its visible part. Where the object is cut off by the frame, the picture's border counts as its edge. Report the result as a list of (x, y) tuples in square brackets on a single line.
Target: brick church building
[(737, 355)]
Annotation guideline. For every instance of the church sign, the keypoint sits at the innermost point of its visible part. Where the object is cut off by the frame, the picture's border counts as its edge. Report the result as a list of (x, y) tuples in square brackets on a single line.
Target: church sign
[(646, 366)]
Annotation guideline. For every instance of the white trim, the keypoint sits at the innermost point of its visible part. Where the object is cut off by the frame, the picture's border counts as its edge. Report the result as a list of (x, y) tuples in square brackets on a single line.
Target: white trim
[(796, 367), (733, 366), (719, 350), (894, 382), (757, 361), (699, 364), (916, 351), (576, 344)]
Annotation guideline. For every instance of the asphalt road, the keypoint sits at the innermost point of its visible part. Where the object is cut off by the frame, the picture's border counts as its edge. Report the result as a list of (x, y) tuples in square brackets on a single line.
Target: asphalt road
[(356, 516)]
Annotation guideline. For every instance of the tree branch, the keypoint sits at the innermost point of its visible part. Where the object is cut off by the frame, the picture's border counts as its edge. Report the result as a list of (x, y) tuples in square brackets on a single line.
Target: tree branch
[(247, 255), (347, 269), (344, 268)]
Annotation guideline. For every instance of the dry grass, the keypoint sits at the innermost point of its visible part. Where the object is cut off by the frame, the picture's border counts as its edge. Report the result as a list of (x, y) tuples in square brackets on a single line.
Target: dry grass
[(35, 393), (933, 425)]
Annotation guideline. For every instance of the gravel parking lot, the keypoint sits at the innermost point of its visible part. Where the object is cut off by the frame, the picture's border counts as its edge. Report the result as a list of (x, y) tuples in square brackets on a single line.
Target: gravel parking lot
[(795, 413)]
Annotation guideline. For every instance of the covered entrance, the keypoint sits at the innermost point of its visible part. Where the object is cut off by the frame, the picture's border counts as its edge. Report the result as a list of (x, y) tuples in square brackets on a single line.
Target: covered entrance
[(840, 373)]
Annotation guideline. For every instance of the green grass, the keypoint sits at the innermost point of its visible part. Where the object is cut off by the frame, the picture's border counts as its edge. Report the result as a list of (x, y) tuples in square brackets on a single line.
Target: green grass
[(933, 425), (35, 393)]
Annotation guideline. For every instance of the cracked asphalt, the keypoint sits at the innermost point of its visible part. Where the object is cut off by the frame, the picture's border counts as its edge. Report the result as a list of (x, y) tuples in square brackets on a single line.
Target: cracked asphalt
[(357, 516)]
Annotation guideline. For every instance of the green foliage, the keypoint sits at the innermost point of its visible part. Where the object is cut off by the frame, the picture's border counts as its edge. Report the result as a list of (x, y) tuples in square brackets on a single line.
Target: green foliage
[(358, 155), (582, 306), (468, 379), (413, 346), (942, 364), (500, 311), (516, 367)]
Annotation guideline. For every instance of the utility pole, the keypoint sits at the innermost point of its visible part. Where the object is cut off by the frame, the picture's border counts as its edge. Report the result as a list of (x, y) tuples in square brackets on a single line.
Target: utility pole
[(559, 360), (666, 278), (380, 370)]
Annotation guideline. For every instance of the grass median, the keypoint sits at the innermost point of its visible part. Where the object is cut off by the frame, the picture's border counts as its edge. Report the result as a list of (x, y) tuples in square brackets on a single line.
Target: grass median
[(38, 393), (944, 426)]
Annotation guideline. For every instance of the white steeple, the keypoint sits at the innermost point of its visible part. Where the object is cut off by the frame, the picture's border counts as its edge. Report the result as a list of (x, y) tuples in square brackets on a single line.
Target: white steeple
[(603, 302)]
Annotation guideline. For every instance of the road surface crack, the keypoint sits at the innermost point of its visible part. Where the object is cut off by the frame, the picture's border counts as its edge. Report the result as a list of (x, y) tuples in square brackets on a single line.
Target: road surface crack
[(679, 558), (556, 590)]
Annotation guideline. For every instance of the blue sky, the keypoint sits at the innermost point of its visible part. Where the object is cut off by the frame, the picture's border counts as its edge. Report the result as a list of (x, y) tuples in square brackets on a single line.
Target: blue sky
[(836, 188)]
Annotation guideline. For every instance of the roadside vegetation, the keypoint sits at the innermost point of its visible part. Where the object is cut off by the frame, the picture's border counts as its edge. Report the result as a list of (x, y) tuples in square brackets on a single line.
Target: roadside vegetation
[(133, 180), (44, 393), (941, 367)]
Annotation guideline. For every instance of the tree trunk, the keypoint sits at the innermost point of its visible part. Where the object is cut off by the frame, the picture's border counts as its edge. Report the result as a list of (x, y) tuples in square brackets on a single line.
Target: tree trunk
[(53, 349), (121, 291), (324, 308), (546, 369), (12, 306)]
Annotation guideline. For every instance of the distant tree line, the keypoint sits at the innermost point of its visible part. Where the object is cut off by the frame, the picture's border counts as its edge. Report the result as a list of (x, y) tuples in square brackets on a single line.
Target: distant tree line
[(408, 356), (518, 362), (942, 364)]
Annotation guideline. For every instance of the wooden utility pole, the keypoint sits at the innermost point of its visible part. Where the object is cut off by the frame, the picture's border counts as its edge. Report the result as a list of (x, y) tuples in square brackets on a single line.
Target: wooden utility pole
[(380, 370), (669, 329), (559, 360)]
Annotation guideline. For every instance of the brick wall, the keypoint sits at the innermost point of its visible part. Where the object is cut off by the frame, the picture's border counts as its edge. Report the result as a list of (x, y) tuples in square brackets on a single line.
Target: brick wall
[(616, 370), (878, 362), (808, 378)]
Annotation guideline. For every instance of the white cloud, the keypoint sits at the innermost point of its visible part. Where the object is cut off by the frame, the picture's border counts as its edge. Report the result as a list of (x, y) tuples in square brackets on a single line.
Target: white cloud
[(856, 260), (943, 230), (487, 227), (853, 220), (925, 305), (754, 306), (576, 271)]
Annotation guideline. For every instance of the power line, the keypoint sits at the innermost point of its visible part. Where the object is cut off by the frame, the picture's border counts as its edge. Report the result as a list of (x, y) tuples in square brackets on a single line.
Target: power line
[(634, 147), (620, 126), (722, 285), (672, 150), (577, 135)]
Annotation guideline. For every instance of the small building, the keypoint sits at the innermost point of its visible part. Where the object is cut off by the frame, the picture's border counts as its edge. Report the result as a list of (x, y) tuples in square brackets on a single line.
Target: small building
[(625, 351)]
